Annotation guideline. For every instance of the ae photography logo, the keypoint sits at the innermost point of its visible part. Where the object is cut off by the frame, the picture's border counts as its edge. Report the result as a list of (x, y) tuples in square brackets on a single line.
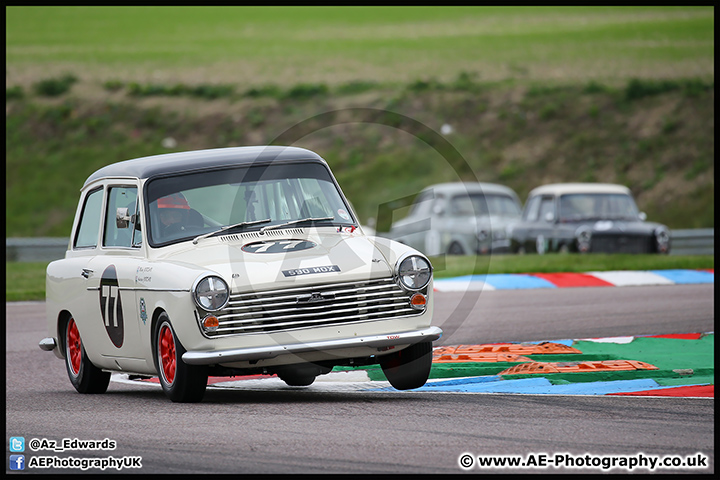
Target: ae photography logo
[(18, 461)]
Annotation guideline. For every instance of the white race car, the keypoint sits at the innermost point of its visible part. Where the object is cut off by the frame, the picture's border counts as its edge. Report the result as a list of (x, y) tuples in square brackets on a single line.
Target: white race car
[(232, 261)]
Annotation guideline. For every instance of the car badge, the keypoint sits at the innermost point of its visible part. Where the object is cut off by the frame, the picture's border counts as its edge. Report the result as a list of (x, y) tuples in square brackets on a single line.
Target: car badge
[(315, 297), (143, 311)]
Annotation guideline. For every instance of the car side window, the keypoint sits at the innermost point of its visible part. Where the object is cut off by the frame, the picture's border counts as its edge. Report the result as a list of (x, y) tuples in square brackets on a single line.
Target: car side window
[(439, 205), (119, 197), (531, 209), (89, 225), (421, 207), (547, 206)]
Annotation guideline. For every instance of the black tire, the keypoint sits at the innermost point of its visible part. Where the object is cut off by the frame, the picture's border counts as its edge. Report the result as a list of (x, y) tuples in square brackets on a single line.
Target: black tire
[(456, 249), (297, 380), (410, 367), (181, 382), (84, 376), (302, 374)]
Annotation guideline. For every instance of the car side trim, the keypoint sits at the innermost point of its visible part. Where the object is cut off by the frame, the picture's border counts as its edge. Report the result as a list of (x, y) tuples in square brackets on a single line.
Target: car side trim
[(271, 351), (143, 289)]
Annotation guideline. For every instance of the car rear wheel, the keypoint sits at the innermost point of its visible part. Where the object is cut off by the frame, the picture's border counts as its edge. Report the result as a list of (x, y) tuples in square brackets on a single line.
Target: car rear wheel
[(456, 249), (410, 367), (181, 382), (85, 377)]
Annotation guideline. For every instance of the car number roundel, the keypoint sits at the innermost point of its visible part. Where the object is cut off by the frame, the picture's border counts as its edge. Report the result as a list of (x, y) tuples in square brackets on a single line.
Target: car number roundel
[(281, 246), (111, 306)]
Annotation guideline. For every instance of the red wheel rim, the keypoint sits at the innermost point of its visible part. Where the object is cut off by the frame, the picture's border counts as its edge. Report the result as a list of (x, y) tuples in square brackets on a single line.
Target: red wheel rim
[(166, 349), (74, 347)]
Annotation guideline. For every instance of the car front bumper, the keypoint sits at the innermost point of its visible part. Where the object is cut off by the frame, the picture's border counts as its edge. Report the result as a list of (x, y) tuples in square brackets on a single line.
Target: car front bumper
[(372, 343)]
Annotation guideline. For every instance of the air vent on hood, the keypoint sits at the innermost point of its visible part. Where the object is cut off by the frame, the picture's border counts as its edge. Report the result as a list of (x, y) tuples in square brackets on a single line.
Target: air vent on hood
[(239, 237)]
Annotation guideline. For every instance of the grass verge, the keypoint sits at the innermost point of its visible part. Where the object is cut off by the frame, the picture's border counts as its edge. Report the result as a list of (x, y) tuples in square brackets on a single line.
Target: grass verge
[(25, 281)]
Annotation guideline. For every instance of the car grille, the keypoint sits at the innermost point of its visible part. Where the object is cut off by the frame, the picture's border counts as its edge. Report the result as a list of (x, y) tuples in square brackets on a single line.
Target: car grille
[(321, 305), (620, 244)]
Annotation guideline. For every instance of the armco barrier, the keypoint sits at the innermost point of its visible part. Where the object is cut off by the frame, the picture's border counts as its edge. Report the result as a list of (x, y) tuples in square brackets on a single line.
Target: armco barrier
[(35, 249), (698, 241)]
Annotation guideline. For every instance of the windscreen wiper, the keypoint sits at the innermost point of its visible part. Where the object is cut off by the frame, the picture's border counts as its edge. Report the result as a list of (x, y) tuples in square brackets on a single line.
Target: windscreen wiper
[(293, 222), (229, 227)]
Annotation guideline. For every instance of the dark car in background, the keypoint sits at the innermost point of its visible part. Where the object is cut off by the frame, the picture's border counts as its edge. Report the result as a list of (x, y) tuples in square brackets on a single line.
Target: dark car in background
[(459, 219), (586, 217)]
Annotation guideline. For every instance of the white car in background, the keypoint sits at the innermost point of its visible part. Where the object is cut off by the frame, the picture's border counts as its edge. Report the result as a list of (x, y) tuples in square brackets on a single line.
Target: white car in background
[(459, 219), (228, 262)]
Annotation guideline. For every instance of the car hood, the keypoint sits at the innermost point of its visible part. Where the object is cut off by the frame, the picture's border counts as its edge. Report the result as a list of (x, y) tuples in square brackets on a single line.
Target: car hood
[(627, 227), (495, 222), (251, 262), (468, 223)]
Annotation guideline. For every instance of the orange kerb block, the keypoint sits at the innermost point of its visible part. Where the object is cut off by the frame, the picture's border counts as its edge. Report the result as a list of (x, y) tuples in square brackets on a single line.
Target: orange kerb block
[(480, 357), (571, 367), (498, 352)]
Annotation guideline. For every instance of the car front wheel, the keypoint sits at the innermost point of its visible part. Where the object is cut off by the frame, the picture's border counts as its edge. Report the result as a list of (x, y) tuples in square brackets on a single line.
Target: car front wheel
[(85, 377), (181, 382), (410, 367)]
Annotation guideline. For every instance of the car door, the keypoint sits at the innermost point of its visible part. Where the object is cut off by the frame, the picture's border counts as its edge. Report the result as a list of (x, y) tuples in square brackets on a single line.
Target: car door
[(433, 240), (542, 230), (413, 228), (520, 231), (68, 279), (111, 280)]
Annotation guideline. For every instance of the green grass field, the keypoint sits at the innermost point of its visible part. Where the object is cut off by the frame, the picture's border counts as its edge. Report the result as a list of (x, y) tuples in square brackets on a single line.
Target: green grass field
[(286, 45)]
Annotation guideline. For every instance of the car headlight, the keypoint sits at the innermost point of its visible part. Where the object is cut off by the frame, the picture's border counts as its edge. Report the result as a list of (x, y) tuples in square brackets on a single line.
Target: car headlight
[(583, 235), (211, 293), (413, 272), (662, 237)]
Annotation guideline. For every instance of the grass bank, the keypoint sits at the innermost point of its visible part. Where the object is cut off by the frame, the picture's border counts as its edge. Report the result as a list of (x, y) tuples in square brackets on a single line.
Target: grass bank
[(523, 96), (385, 145)]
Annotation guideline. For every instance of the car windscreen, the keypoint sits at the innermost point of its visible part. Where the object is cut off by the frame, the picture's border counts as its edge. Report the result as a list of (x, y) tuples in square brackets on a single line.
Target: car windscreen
[(597, 206), (192, 204), (480, 205)]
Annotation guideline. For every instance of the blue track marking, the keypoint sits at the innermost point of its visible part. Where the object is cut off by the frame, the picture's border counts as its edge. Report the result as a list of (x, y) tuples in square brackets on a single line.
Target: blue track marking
[(517, 281), (534, 386), (686, 276), (509, 281)]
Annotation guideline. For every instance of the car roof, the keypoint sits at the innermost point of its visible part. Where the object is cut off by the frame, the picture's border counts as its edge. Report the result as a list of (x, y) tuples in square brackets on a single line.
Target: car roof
[(470, 187), (154, 165), (565, 188)]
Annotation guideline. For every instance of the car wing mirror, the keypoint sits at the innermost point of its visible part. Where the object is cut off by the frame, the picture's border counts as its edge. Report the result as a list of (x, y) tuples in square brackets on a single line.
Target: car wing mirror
[(642, 216), (549, 217), (122, 218)]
